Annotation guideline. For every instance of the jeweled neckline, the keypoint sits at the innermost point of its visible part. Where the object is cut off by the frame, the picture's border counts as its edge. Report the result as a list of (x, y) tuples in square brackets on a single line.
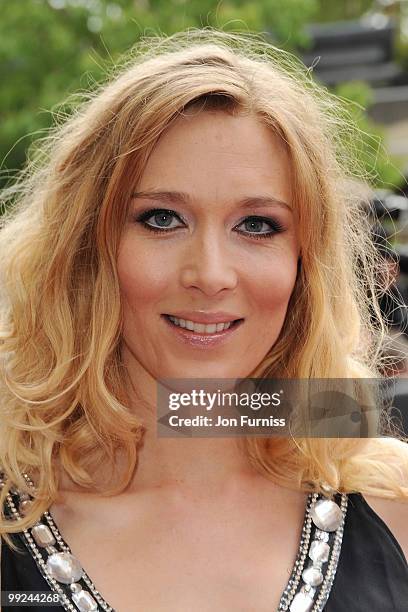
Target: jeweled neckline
[(307, 590)]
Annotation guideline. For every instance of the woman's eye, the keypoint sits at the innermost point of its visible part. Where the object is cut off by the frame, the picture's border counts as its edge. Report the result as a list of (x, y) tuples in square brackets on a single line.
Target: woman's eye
[(160, 219), (255, 227)]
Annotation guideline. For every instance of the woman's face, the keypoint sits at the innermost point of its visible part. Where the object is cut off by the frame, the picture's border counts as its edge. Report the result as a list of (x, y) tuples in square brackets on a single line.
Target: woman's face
[(217, 192)]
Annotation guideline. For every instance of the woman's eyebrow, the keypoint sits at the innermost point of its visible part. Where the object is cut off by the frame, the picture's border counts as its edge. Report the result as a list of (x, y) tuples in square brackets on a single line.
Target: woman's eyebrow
[(166, 196), (175, 197), (255, 201)]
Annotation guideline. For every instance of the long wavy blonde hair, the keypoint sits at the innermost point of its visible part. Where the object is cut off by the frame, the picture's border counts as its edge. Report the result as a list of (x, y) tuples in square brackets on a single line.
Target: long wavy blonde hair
[(63, 403)]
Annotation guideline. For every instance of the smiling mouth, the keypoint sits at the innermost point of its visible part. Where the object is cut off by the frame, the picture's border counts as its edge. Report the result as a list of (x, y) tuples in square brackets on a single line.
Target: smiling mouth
[(211, 329)]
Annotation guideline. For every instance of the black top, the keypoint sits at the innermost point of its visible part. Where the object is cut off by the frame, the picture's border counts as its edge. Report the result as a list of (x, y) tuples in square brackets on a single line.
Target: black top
[(371, 576)]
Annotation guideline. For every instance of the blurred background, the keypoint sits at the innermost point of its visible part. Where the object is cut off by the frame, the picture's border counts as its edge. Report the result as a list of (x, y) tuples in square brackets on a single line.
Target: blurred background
[(50, 49)]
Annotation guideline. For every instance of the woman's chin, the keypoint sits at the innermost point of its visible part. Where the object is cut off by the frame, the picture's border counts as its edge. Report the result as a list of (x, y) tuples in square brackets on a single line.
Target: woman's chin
[(206, 376)]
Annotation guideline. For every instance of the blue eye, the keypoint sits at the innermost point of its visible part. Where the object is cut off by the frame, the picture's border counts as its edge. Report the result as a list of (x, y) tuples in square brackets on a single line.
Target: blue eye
[(160, 216), (162, 219), (256, 223)]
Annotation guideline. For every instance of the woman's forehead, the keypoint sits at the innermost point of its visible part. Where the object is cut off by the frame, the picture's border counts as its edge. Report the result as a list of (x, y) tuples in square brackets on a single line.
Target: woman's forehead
[(221, 156)]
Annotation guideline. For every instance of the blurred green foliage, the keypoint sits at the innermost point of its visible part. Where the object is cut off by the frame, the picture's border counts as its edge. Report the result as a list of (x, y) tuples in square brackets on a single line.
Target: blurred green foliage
[(383, 170), (52, 48)]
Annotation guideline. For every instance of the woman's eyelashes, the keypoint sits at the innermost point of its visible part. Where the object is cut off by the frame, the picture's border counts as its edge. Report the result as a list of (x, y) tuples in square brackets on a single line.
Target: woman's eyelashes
[(255, 224), (162, 217)]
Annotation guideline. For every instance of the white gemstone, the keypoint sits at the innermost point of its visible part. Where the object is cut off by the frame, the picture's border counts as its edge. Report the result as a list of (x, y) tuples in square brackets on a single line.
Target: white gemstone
[(84, 601), (313, 576), (326, 515), (42, 535), (319, 551), (301, 603), (64, 567)]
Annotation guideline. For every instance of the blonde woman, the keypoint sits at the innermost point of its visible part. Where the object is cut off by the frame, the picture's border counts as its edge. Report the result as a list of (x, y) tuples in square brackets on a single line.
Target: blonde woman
[(205, 184)]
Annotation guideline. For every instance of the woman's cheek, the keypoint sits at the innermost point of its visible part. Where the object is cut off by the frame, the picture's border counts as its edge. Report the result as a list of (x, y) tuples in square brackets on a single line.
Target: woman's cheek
[(143, 271), (273, 282)]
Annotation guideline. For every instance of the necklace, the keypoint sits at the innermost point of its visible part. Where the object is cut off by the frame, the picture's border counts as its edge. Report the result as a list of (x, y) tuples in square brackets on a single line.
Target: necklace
[(307, 590)]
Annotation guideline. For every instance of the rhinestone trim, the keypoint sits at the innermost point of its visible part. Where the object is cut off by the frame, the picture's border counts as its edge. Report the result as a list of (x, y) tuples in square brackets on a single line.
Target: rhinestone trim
[(291, 588), (318, 593), (40, 556), (333, 560), (296, 584)]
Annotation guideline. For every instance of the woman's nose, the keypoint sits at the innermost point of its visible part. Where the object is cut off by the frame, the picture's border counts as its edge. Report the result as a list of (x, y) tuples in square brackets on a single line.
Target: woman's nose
[(208, 264)]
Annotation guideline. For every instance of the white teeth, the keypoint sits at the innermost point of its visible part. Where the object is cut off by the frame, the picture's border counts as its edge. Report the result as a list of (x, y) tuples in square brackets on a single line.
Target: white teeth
[(212, 328)]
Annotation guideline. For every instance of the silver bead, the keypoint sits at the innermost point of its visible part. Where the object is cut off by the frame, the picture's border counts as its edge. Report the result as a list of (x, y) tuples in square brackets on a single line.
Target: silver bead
[(312, 575), (301, 603), (326, 515), (84, 601), (64, 567), (308, 590), (321, 535), (328, 490), (319, 551), (24, 506), (43, 536)]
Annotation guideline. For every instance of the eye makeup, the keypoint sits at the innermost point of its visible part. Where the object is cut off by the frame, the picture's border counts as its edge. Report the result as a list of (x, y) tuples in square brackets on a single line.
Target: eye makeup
[(275, 226)]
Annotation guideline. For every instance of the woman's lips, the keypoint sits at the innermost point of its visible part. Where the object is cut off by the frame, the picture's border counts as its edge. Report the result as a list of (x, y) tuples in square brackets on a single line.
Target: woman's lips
[(201, 339)]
